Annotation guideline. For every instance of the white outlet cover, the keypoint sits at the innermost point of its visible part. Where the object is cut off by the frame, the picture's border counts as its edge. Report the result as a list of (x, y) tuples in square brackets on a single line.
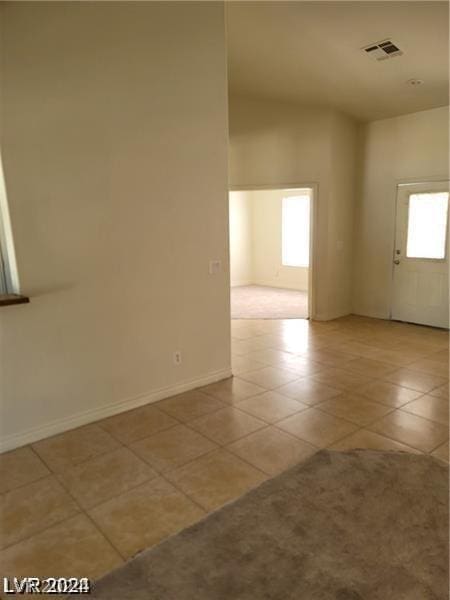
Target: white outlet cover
[(214, 266)]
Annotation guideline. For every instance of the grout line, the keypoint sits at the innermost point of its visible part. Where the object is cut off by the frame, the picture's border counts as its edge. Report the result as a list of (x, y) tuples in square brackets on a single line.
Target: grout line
[(104, 535), (22, 485), (438, 446), (398, 441), (96, 526), (161, 473), (205, 510), (132, 487), (139, 439), (35, 533)]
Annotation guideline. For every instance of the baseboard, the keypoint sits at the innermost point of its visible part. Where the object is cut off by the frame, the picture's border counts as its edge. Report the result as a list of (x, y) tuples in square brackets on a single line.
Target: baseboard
[(60, 425), (372, 314), (241, 283), (330, 316)]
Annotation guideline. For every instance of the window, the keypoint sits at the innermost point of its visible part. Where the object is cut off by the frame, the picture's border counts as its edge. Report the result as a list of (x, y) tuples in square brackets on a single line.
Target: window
[(427, 225), (9, 281), (295, 231)]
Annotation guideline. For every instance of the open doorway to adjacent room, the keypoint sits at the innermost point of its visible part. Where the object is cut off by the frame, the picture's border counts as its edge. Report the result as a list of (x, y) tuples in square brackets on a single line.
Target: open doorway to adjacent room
[(271, 257)]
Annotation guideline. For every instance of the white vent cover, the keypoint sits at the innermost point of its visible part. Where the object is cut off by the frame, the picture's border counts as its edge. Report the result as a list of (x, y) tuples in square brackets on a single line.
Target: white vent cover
[(382, 50)]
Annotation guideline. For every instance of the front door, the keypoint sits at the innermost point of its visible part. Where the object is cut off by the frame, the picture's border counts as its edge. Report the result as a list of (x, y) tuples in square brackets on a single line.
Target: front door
[(420, 270)]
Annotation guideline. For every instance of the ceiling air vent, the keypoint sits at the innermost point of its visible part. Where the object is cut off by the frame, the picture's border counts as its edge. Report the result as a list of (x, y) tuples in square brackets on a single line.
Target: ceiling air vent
[(382, 50)]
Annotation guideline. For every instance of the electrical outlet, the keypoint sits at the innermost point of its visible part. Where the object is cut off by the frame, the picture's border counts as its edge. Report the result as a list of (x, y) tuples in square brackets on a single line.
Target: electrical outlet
[(214, 266), (177, 357)]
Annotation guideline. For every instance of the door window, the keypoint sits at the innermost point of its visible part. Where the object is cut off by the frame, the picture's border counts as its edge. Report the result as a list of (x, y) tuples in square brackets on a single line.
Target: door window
[(427, 225)]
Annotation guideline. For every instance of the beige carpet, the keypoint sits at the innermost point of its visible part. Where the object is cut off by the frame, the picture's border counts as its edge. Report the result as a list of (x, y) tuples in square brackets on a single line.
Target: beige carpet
[(358, 525), (260, 302)]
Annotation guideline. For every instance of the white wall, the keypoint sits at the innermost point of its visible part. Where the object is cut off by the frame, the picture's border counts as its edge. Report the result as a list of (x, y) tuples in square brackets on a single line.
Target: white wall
[(255, 242), (408, 148), (114, 137), (274, 143), (241, 246)]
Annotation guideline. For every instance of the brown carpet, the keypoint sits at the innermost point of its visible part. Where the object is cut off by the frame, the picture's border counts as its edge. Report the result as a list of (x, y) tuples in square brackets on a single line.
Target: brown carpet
[(358, 525), (260, 302)]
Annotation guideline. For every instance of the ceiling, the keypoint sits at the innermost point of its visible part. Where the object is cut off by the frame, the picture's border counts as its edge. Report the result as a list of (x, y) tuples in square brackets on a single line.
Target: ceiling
[(310, 53)]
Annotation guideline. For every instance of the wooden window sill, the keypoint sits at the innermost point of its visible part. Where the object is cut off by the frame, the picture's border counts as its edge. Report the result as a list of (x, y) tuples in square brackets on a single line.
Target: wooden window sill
[(9, 299)]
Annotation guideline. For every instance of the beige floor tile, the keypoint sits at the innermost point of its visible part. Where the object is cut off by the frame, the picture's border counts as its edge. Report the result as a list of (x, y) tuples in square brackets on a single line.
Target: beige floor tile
[(226, 425), (387, 393), (301, 345), (370, 367), (75, 446), (370, 440), (338, 378), (73, 548), (316, 427), (432, 367), (252, 344), (291, 361), (19, 467), (216, 478), (304, 367), (233, 390), (440, 356), (271, 406), (244, 332), (270, 377), (356, 348), (422, 382), (396, 357), (440, 392), (190, 405), (271, 450), (133, 425), (31, 508), (419, 349), (144, 516), (237, 348), (243, 364), (354, 408), (430, 407), (328, 357), (106, 476), (411, 430), (442, 452), (308, 391), (172, 448), (270, 356)]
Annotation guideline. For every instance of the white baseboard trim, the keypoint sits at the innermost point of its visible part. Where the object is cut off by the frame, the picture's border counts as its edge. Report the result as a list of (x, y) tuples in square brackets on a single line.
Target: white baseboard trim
[(372, 314), (330, 316), (241, 283), (35, 434)]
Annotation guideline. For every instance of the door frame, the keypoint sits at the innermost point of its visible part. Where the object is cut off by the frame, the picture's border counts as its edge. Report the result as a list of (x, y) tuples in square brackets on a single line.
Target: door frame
[(313, 240), (409, 182)]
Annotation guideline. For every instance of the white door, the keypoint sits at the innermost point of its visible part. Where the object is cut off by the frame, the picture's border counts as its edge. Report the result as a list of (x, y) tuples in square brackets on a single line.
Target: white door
[(420, 270)]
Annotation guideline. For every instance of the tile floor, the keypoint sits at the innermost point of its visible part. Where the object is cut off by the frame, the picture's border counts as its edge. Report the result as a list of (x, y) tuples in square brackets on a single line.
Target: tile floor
[(81, 503)]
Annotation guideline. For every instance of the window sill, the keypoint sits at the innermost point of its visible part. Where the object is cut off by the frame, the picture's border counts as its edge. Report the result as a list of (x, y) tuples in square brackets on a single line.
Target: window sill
[(9, 299)]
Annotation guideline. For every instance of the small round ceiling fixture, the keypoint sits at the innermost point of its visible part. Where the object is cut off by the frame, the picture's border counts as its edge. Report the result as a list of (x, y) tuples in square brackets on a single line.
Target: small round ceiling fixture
[(414, 82)]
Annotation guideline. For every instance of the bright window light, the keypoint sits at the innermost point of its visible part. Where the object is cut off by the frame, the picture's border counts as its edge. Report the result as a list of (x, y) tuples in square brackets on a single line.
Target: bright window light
[(295, 231), (427, 225)]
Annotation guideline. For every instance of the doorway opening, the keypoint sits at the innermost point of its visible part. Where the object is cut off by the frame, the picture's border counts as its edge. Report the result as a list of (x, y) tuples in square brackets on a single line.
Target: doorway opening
[(271, 258), (421, 262)]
